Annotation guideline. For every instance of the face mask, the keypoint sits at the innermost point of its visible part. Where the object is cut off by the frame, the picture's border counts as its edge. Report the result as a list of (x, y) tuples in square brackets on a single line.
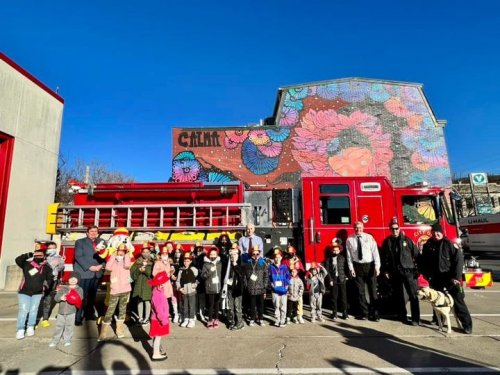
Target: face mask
[(334, 254), (119, 258), (38, 260), (51, 252)]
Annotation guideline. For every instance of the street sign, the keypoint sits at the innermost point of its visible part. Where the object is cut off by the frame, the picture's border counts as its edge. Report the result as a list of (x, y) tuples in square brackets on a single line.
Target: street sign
[(479, 178)]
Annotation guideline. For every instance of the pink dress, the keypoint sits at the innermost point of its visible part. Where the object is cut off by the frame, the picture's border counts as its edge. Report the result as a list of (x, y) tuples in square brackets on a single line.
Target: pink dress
[(160, 322)]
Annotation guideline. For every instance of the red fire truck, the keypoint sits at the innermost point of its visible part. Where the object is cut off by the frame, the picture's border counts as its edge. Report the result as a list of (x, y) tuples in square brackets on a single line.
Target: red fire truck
[(307, 217)]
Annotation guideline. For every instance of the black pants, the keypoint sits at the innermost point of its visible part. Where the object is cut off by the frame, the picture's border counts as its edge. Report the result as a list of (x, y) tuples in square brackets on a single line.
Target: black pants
[(89, 287), (458, 295), (365, 275), (257, 307), (338, 292), (291, 309), (405, 280), (213, 306)]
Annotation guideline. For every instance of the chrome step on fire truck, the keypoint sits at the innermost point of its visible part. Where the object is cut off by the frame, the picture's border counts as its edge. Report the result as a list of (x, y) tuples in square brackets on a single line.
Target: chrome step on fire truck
[(307, 217)]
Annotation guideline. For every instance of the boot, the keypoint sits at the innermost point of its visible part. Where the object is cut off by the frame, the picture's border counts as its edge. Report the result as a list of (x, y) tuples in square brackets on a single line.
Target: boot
[(120, 328), (104, 331)]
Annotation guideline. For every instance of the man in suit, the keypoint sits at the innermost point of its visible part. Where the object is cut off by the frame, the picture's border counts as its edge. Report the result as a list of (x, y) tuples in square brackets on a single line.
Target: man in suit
[(90, 266), (363, 260)]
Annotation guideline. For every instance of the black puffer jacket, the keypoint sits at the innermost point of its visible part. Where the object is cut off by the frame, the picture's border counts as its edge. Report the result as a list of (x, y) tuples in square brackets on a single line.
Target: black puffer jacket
[(36, 277), (237, 277), (259, 269), (342, 269)]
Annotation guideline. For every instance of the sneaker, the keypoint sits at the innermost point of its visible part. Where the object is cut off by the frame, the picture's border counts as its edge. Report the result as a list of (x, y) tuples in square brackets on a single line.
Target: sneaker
[(301, 320), (313, 320), (53, 344), (239, 326), (45, 323), (216, 323), (321, 319), (30, 331), (294, 320), (210, 324), (191, 323), (345, 316), (20, 334), (176, 318), (66, 344), (145, 322), (185, 323), (252, 323), (283, 325), (468, 331), (261, 323)]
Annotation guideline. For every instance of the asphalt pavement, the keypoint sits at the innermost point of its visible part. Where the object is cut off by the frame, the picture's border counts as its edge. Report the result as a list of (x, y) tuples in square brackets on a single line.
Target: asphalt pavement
[(334, 347)]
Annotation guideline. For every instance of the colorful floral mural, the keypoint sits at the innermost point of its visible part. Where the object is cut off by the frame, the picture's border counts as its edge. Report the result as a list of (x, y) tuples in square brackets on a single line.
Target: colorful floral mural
[(348, 127)]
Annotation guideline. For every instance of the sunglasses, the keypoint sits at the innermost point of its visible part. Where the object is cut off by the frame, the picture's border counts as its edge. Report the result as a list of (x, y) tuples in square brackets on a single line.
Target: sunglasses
[(394, 229)]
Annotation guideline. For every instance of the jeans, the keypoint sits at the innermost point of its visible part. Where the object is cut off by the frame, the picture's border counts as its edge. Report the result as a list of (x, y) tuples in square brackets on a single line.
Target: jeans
[(28, 308)]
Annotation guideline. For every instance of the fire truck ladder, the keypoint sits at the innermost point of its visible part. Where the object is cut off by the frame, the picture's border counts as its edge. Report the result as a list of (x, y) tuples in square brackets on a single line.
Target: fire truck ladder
[(155, 217)]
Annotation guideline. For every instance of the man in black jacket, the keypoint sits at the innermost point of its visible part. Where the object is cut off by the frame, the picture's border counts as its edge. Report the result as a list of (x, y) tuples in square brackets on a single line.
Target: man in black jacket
[(399, 255), (441, 262), (90, 267)]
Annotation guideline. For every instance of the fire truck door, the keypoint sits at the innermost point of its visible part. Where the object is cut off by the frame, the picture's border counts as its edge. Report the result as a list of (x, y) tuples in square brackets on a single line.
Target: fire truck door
[(370, 212)]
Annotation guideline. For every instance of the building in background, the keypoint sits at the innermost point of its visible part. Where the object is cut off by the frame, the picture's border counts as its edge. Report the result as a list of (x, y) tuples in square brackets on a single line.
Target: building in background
[(30, 130), (346, 127)]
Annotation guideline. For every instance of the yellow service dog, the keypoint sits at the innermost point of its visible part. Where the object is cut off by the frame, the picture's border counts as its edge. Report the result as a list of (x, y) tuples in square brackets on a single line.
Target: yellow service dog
[(442, 304)]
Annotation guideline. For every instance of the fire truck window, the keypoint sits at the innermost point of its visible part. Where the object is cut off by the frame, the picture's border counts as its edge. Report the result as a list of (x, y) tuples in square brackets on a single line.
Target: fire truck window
[(335, 210), (419, 210), (334, 189)]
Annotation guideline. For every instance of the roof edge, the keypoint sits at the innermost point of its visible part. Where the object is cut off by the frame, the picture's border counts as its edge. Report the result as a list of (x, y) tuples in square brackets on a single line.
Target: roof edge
[(348, 79), (31, 77)]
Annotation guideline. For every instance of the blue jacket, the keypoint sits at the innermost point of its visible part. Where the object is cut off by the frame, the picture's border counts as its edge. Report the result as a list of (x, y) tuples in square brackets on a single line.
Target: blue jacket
[(279, 277)]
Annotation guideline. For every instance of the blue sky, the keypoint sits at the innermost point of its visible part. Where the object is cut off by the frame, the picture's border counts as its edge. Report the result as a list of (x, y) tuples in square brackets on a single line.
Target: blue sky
[(130, 71)]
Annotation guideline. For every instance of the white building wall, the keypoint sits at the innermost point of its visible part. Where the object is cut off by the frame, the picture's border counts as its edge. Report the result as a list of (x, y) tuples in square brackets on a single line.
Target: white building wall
[(33, 117)]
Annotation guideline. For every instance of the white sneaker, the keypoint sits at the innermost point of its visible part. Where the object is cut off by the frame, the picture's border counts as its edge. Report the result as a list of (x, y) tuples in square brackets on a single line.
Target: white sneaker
[(252, 323), (321, 319), (313, 320), (30, 331), (277, 323), (191, 323), (66, 344), (301, 320), (176, 318), (185, 323), (20, 334), (53, 344)]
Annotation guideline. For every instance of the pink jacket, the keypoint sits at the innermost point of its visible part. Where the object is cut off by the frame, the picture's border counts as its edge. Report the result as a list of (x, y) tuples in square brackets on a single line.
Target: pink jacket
[(167, 267), (159, 307), (120, 275)]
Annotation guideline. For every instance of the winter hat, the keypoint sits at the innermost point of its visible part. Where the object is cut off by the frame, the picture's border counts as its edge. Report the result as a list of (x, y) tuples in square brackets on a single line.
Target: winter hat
[(41, 246), (437, 228), (75, 274), (159, 279)]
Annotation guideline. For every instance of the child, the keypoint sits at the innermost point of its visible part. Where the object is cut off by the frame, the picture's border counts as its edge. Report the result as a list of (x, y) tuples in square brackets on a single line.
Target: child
[(119, 266), (160, 319), (232, 291), (316, 284), (37, 277), (186, 284), (291, 260), (69, 298), (211, 274), (256, 279), (164, 263), (199, 255), (336, 266), (279, 278), (141, 272), (56, 263), (295, 292)]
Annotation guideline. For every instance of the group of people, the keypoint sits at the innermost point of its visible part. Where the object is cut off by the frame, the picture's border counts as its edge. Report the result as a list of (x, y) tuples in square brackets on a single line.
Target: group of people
[(174, 285)]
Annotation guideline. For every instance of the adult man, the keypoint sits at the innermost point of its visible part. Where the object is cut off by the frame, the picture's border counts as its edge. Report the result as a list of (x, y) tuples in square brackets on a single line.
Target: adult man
[(398, 257), (90, 267), (250, 240), (441, 262), (364, 264)]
